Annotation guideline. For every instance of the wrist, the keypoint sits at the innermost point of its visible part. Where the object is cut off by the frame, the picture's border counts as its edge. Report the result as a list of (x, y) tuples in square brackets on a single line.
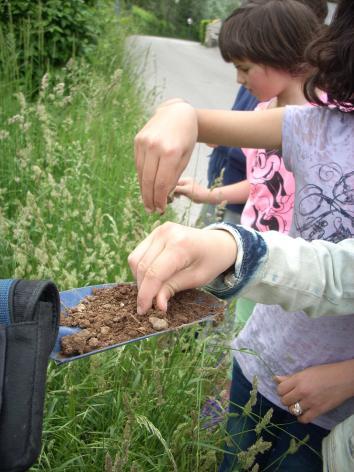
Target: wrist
[(227, 248), (171, 101), (350, 375), (215, 196)]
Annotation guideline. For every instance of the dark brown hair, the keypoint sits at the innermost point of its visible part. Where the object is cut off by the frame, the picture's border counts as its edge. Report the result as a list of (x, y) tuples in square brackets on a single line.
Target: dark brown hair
[(319, 7), (272, 32), (332, 56)]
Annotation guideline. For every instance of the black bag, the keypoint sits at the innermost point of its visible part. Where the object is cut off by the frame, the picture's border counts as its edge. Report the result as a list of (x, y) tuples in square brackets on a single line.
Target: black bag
[(29, 319)]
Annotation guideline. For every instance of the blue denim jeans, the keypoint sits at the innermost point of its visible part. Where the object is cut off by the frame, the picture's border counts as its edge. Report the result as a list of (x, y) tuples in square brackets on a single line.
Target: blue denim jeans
[(282, 427)]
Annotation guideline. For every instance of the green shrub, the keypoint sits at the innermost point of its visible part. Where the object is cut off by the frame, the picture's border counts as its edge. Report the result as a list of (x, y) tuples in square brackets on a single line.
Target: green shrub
[(37, 35), (202, 29), (138, 20), (146, 20)]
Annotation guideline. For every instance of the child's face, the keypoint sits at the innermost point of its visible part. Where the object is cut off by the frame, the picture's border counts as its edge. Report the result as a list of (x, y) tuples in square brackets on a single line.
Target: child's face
[(264, 82)]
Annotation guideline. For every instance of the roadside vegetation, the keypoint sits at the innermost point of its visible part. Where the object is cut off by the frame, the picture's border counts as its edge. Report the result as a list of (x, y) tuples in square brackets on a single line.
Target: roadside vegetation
[(70, 207), (70, 210), (182, 18)]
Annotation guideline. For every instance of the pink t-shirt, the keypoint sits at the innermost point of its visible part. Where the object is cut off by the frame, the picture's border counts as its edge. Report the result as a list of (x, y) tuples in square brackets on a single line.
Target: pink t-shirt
[(272, 189)]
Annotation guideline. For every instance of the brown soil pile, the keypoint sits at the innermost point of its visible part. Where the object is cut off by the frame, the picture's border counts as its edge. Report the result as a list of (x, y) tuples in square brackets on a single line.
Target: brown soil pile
[(109, 316)]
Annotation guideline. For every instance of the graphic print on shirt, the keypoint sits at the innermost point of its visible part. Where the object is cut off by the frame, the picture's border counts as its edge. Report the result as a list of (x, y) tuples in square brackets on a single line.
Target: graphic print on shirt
[(317, 206), (271, 193)]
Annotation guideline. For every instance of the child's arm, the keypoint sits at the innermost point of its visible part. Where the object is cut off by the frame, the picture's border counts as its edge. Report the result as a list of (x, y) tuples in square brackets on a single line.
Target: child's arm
[(249, 129), (164, 146), (234, 193)]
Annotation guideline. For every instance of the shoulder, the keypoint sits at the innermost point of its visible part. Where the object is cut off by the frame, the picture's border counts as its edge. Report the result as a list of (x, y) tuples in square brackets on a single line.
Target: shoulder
[(312, 116), (311, 124), (310, 133)]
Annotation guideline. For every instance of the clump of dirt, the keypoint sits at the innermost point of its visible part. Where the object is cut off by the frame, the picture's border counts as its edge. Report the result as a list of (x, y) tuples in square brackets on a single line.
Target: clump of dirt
[(109, 316)]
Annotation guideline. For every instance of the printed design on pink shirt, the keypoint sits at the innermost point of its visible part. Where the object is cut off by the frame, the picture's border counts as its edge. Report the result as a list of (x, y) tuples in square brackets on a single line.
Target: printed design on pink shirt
[(316, 206), (271, 199)]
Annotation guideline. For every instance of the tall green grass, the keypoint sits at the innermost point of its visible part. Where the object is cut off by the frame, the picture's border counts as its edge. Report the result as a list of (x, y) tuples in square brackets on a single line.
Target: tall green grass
[(69, 200), (70, 210), (137, 408)]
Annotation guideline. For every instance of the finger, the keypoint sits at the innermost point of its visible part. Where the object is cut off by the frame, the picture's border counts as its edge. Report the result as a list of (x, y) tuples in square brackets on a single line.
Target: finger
[(156, 247), (137, 254), (182, 280), (305, 411), (181, 190), (308, 416), (290, 398), (169, 262), (184, 180), (139, 158), (285, 386), (149, 172), (170, 168)]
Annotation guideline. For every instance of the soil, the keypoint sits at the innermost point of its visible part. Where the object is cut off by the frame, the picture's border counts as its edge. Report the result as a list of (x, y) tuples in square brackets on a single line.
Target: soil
[(109, 317)]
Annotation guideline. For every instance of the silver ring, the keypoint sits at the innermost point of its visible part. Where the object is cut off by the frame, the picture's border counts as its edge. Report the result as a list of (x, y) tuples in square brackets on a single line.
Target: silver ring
[(296, 409)]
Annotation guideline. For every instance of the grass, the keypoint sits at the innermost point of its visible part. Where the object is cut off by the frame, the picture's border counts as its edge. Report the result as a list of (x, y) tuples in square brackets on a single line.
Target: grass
[(137, 407), (70, 204), (70, 210)]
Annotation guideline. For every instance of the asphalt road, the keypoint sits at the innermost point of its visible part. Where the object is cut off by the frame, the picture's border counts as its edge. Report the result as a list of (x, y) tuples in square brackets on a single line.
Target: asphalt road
[(176, 68)]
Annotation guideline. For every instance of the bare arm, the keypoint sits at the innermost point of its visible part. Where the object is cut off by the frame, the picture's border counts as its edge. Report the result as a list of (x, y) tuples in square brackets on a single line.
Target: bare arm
[(241, 128), (316, 277), (164, 146), (234, 193)]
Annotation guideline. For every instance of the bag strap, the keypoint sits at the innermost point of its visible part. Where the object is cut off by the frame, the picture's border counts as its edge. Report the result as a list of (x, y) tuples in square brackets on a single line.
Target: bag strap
[(5, 285), (2, 361), (25, 295)]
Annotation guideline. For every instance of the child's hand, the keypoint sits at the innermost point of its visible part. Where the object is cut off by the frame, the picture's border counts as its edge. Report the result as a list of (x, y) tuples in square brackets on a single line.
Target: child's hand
[(192, 190), (162, 151), (175, 257), (318, 389)]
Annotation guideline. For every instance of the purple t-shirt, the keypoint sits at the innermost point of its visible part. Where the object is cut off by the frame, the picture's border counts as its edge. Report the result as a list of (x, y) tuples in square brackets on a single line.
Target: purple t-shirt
[(318, 147)]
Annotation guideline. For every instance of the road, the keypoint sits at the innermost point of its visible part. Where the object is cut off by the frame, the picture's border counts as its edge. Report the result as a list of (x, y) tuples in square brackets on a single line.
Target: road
[(176, 68)]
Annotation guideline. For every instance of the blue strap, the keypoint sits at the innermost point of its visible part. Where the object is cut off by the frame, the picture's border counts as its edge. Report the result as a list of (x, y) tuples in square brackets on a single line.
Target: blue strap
[(5, 285), (2, 361)]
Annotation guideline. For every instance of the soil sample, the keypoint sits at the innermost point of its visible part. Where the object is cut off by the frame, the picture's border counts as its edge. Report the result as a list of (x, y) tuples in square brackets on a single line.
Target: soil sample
[(109, 317)]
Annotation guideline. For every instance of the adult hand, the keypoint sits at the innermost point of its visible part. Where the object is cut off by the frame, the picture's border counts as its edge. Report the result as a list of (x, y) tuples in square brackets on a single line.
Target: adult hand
[(162, 151), (318, 389), (174, 258), (191, 189)]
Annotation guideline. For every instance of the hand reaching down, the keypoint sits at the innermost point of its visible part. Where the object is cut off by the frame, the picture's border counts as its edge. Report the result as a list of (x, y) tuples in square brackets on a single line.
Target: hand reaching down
[(162, 151), (175, 257)]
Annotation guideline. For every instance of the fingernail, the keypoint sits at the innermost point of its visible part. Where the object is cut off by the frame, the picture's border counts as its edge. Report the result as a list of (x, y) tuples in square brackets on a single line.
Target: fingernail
[(160, 211), (148, 210)]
